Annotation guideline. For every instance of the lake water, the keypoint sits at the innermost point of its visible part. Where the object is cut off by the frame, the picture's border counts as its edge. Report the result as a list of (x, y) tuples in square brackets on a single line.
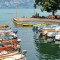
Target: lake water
[(30, 40)]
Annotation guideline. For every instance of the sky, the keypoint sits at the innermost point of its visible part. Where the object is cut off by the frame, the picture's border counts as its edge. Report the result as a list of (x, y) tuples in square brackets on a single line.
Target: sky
[(12, 3)]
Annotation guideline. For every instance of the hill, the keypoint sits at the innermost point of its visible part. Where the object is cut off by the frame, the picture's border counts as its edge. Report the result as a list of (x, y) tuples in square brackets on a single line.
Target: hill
[(12, 3)]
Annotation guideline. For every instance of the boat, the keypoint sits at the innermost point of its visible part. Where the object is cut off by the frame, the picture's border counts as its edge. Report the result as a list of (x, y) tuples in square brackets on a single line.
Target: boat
[(57, 37), (38, 26), (17, 23), (51, 30), (41, 24), (51, 34), (27, 25), (8, 32), (54, 33), (3, 26), (8, 44), (12, 56), (57, 42)]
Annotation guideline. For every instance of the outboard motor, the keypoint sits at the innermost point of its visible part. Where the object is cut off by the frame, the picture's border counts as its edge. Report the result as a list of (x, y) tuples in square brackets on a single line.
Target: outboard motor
[(24, 52), (33, 28), (19, 40)]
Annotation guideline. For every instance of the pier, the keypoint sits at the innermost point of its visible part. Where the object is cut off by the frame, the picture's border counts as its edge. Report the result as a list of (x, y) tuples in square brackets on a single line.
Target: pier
[(48, 21)]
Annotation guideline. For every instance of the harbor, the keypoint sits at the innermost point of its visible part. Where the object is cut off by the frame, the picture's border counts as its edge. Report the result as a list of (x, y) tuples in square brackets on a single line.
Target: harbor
[(37, 46)]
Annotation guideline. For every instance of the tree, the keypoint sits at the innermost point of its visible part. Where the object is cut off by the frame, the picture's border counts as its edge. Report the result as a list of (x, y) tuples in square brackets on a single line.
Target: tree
[(48, 5)]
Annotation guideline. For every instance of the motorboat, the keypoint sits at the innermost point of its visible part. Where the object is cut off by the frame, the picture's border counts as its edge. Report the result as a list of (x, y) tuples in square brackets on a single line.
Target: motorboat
[(9, 44), (38, 26), (51, 30), (57, 37), (3, 26), (27, 25), (15, 55), (51, 34), (8, 32)]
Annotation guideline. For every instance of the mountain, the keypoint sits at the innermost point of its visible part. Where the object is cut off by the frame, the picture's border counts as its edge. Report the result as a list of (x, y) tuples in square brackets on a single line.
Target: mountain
[(12, 3)]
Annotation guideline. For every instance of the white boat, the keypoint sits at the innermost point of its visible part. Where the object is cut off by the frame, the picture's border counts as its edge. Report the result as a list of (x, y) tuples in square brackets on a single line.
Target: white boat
[(51, 30), (51, 34), (13, 56), (57, 42), (57, 37), (8, 32), (38, 26)]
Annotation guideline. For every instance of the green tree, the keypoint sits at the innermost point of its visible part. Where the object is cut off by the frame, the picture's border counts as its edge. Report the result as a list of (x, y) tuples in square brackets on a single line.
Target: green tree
[(48, 5)]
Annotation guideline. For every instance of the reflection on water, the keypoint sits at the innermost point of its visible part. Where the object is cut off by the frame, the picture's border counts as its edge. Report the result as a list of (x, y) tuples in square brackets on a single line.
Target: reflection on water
[(37, 46), (46, 51)]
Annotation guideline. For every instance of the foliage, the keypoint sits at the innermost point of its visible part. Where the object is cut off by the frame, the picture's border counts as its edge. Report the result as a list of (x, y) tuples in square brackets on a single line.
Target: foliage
[(48, 5)]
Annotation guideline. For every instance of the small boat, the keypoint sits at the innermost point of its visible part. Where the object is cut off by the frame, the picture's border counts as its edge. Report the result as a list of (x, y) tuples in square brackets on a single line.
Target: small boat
[(50, 28), (57, 42), (15, 55), (27, 25), (9, 44), (9, 32), (38, 27), (3, 26), (41, 24), (51, 34), (57, 37)]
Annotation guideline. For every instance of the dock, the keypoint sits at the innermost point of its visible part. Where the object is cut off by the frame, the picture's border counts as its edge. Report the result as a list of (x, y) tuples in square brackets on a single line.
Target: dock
[(49, 21)]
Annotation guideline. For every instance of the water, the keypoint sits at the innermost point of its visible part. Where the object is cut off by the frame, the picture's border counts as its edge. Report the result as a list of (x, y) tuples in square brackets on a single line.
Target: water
[(30, 40)]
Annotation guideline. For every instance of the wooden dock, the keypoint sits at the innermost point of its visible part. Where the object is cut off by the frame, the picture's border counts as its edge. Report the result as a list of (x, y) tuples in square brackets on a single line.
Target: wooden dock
[(49, 21)]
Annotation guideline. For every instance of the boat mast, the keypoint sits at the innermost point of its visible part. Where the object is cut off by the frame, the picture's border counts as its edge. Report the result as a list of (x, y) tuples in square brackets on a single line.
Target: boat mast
[(34, 8), (34, 11), (16, 8)]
